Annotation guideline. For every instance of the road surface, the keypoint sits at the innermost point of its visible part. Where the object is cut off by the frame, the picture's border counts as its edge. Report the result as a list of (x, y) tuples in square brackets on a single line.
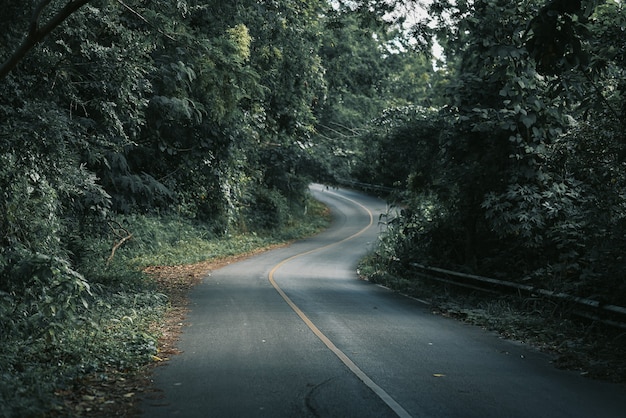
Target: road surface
[(294, 333)]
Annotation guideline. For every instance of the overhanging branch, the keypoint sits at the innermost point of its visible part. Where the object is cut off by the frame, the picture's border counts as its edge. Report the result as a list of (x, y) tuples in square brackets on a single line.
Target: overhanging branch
[(36, 33)]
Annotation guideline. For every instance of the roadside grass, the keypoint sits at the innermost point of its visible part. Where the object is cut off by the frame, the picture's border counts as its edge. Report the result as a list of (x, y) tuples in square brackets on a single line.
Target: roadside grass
[(590, 348), (98, 365), (180, 242)]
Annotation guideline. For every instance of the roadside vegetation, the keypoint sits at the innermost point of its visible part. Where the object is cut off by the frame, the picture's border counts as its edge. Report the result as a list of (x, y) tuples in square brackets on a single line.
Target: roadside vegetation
[(589, 347), (521, 174)]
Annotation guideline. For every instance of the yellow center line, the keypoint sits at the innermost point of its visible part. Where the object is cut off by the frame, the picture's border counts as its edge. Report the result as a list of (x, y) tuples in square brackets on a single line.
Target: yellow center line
[(380, 392)]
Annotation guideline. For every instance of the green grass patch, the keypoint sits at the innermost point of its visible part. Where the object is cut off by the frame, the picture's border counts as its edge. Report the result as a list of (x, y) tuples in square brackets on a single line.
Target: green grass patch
[(179, 241)]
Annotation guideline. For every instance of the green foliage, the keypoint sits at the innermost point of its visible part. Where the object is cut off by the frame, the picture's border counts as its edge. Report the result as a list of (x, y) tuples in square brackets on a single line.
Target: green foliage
[(147, 107), (556, 34), (519, 174), (369, 66), (266, 210), (46, 295), (113, 336), (402, 145)]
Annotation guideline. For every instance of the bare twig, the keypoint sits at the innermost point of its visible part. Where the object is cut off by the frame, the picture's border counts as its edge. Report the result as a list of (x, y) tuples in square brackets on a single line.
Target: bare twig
[(120, 242), (339, 133), (138, 15)]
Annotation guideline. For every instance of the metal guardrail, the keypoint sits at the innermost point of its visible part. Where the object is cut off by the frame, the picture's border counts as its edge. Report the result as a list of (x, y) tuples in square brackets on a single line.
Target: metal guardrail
[(588, 308)]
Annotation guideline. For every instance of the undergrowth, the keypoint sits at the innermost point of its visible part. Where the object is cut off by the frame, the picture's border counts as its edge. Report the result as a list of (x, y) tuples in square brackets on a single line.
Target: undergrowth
[(113, 336), (110, 335)]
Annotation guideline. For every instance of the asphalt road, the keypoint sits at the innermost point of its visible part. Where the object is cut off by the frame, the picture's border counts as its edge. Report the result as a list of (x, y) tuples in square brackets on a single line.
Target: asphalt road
[(294, 333)]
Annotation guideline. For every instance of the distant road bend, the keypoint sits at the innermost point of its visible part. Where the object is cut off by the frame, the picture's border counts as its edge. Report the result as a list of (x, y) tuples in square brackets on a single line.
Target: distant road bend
[(294, 333)]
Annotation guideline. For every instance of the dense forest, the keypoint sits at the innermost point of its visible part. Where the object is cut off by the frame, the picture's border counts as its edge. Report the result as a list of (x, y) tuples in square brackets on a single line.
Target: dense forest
[(517, 172), (500, 128)]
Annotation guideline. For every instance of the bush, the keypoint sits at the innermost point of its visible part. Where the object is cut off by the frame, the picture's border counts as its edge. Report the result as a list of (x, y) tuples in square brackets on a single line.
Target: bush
[(265, 210), (112, 336)]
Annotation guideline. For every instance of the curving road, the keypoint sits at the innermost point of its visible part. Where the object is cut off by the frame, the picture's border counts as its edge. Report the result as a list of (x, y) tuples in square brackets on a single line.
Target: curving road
[(294, 333)]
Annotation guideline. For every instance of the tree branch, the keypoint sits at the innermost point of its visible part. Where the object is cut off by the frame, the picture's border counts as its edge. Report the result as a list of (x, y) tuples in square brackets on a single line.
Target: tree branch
[(353, 131), (36, 33), (34, 20), (600, 95), (120, 242), (136, 13)]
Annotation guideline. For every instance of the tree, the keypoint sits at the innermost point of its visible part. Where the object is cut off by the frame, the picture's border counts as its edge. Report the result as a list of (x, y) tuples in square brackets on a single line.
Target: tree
[(521, 171), (369, 67)]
